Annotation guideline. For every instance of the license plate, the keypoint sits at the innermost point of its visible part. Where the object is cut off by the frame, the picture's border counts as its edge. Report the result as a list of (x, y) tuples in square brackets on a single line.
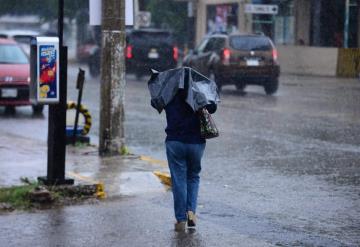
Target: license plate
[(153, 54), (252, 62), (9, 93)]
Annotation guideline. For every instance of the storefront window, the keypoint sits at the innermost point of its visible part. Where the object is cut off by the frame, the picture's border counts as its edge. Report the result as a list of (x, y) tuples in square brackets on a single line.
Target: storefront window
[(222, 18), (285, 23)]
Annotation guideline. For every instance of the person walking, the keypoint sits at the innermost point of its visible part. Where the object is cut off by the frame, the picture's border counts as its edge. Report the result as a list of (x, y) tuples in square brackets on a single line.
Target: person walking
[(184, 150), (183, 93)]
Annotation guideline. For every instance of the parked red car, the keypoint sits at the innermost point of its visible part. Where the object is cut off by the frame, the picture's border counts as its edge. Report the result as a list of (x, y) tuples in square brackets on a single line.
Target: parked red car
[(14, 76)]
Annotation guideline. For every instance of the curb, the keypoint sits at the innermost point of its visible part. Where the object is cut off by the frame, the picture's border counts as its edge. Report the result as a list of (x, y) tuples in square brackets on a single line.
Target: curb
[(151, 160), (100, 187), (164, 177)]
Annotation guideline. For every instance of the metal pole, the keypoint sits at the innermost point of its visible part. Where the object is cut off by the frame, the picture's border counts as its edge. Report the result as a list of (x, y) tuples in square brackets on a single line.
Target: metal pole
[(346, 24), (57, 119), (79, 86), (112, 115), (61, 22)]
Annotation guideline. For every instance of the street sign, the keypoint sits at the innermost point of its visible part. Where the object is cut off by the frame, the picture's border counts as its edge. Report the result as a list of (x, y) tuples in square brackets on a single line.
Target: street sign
[(267, 9), (95, 12)]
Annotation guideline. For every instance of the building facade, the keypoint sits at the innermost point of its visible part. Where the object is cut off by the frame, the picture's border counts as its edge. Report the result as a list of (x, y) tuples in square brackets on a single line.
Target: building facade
[(324, 23)]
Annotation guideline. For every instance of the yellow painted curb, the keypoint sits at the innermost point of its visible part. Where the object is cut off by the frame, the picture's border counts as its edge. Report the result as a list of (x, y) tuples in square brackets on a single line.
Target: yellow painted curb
[(100, 187), (348, 62), (100, 191), (164, 177), (153, 161)]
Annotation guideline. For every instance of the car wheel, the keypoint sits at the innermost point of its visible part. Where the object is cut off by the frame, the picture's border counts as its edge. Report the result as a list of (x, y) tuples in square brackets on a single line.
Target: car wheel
[(37, 109), (10, 110), (240, 86), (213, 77), (272, 86)]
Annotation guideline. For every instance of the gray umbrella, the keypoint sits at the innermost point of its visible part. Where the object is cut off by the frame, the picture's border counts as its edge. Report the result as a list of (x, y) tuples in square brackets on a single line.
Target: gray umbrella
[(163, 86)]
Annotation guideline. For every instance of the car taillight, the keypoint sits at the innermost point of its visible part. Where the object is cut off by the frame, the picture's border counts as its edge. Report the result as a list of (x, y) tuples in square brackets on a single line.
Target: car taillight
[(275, 54), (129, 54), (175, 53), (226, 56)]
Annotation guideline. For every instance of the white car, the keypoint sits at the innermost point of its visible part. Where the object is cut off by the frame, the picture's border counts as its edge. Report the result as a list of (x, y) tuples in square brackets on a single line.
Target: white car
[(22, 37)]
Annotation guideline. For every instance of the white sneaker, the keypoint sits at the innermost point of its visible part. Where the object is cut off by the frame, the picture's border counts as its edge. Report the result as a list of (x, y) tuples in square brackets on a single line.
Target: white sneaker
[(191, 219)]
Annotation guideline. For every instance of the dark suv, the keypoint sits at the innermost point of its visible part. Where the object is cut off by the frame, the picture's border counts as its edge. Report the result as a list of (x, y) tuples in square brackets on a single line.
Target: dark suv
[(238, 59), (145, 49), (150, 48)]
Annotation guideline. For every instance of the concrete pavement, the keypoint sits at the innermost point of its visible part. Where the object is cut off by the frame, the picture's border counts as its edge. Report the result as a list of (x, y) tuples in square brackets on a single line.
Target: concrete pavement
[(283, 171), (136, 212)]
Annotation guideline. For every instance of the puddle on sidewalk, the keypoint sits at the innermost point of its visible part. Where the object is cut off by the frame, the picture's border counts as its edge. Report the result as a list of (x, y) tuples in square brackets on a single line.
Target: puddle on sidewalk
[(121, 176), (132, 183), (125, 183)]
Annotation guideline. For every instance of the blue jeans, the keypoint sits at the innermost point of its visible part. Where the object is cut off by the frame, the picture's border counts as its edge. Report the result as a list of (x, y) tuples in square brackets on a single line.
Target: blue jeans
[(185, 166)]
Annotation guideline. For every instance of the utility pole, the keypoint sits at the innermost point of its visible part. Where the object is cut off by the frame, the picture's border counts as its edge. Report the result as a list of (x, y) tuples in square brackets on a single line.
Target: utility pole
[(112, 138)]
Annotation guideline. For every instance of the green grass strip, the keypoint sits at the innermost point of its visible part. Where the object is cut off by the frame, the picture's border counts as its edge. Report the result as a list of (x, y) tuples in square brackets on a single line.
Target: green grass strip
[(17, 196)]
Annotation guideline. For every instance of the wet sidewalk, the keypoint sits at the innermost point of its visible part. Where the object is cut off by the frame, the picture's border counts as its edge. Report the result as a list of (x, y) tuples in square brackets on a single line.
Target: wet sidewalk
[(121, 175), (136, 212)]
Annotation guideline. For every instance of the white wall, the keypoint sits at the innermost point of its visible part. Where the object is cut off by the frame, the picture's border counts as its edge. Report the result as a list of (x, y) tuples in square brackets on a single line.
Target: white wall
[(305, 60)]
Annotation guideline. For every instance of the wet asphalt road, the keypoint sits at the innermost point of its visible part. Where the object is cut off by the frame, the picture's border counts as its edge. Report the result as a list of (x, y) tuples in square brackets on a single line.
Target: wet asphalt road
[(284, 171)]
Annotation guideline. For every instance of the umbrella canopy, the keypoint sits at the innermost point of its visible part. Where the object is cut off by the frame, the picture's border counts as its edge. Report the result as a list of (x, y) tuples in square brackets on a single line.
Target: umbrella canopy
[(163, 86)]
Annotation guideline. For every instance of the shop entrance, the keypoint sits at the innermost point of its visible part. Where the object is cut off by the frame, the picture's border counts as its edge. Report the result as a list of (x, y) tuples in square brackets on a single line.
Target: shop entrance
[(264, 24), (278, 25)]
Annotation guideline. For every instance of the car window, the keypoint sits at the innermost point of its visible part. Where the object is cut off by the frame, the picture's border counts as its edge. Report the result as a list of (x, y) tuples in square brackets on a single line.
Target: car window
[(12, 54), (219, 44), (215, 44), (209, 45), (248, 43), (202, 45), (25, 39), (3, 36)]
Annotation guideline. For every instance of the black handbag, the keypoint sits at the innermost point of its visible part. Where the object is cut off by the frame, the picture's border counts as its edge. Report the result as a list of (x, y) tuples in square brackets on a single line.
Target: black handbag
[(208, 128)]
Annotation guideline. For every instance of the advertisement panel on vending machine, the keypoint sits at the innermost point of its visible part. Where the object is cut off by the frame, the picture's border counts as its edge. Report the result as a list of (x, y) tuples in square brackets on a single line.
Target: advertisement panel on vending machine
[(44, 70)]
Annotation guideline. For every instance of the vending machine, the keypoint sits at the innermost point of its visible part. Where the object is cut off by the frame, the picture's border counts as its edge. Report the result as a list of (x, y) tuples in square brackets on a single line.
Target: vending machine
[(44, 70)]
